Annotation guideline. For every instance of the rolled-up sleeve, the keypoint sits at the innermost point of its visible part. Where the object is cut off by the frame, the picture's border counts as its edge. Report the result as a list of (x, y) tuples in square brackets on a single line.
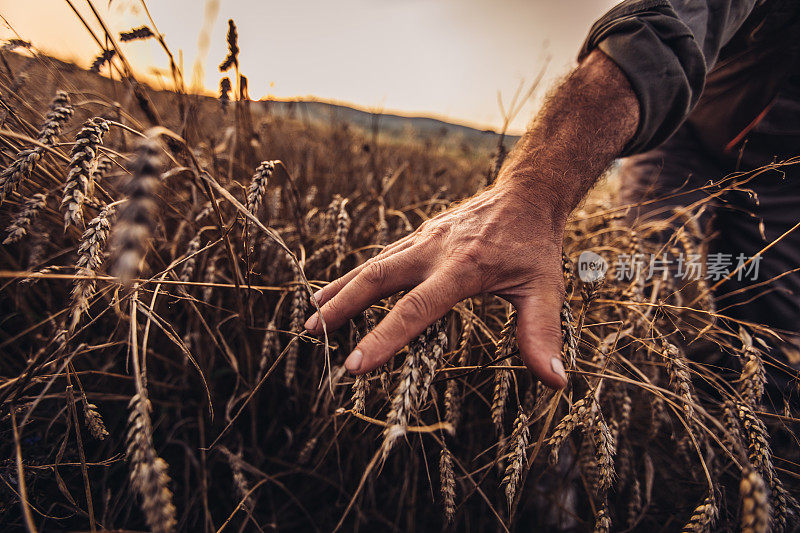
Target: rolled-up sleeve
[(665, 50)]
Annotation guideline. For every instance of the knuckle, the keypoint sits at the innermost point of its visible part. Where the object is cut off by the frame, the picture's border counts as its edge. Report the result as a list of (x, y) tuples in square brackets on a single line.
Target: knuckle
[(431, 231), (553, 285), (375, 273), (470, 256), (437, 231), (336, 285), (470, 265), (413, 306), (377, 337), (333, 307), (550, 330)]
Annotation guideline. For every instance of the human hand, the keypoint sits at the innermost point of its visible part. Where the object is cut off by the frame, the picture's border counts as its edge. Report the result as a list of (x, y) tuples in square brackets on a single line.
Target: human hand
[(497, 242)]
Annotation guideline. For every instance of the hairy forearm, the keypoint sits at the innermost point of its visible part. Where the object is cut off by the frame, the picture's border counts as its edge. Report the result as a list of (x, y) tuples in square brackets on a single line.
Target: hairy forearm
[(583, 126)]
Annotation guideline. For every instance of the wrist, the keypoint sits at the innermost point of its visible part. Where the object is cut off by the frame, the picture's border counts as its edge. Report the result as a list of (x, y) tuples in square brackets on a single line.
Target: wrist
[(553, 197), (537, 200)]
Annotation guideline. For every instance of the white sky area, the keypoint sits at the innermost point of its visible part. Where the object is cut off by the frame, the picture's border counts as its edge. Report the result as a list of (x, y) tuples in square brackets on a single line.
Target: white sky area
[(447, 58)]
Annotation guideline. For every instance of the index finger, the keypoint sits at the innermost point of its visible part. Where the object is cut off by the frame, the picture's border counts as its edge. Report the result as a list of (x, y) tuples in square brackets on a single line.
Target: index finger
[(331, 289), (414, 312)]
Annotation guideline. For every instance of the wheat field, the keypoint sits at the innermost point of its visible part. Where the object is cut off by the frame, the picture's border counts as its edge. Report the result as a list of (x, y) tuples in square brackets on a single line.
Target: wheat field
[(159, 252)]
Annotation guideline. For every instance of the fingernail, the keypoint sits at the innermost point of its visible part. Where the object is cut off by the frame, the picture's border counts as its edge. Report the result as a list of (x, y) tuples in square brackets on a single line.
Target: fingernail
[(317, 295), (558, 368), (311, 323), (353, 362)]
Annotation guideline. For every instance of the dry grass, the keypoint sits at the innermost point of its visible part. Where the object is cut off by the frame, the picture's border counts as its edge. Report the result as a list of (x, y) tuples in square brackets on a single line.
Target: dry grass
[(189, 341)]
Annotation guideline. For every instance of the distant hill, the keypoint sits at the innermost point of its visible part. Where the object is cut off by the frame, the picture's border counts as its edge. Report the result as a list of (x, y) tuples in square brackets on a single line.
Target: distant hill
[(394, 126), (391, 127)]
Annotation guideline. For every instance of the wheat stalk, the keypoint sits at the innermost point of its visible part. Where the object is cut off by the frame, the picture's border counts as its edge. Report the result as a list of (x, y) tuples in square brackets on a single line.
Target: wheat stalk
[(148, 472)]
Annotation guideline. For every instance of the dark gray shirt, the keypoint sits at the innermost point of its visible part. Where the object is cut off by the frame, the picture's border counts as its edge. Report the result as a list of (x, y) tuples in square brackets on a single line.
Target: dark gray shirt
[(666, 49)]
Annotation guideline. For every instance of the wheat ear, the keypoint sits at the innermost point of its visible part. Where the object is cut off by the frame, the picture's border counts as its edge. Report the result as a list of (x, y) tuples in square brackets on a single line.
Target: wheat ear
[(502, 378), (755, 511), (104, 57), (569, 335), (604, 449), (21, 222), (297, 318), (26, 160), (239, 479), (703, 517), (136, 34), (93, 419), (431, 356), (148, 472), (753, 377), (90, 257), (448, 482), (82, 159), (342, 228), (404, 401), (602, 519), (360, 390), (576, 416), (519, 444), (233, 48), (137, 217), (757, 438)]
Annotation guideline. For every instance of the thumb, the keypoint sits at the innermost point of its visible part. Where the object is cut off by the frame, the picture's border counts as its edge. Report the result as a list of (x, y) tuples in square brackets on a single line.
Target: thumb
[(539, 334)]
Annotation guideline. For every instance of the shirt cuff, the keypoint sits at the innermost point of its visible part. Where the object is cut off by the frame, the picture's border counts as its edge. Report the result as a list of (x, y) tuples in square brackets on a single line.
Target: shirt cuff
[(658, 54)]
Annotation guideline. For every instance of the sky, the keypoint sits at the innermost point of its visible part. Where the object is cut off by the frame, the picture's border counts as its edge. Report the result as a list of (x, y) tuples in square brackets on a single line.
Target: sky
[(446, 58)]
